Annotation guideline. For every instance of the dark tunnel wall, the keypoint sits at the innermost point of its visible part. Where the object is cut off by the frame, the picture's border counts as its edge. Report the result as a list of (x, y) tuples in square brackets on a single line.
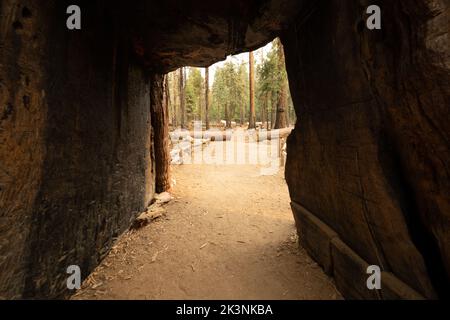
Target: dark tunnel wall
[(368, 162), (76, 155), (23, 111)]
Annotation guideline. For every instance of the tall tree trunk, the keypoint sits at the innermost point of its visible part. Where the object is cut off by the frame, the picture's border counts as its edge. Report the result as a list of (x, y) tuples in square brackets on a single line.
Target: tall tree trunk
[(288, 109), (168, 104), (207, 98), (160, 124), (175, 95), (242, 114), (182, 100), (272, 112), (262, 115), (200, 104), (281, 120), (242, 111), (265, 117), (252, 119), (226, 115)]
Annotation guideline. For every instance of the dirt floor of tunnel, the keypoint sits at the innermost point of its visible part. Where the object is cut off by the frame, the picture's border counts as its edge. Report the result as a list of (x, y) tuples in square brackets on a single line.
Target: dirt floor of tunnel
[(228, 234)]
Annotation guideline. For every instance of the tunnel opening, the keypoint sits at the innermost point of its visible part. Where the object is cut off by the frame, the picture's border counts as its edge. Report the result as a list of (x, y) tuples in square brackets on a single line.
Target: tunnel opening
[(243, 93)]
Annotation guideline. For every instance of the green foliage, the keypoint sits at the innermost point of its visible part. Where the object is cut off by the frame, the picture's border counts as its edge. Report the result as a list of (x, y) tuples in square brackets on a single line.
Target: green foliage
[(270, 75), (230, 90)]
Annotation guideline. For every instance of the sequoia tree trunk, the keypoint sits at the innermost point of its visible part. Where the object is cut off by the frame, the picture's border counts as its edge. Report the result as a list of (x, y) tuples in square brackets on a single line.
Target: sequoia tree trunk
[(227, 116), (182, 101), (160, 121), (207, 98), (281, 117), (251, 124)]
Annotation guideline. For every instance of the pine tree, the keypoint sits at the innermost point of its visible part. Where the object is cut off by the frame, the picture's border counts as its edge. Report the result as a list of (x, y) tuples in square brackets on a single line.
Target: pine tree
[(194, 94)]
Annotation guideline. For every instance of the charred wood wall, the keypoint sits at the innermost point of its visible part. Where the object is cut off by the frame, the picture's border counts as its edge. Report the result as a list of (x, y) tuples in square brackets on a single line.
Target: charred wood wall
[(368, 162)]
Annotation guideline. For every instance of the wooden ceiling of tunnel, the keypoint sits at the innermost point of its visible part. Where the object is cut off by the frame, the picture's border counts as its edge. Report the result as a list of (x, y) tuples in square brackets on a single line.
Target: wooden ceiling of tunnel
[(168, 34)]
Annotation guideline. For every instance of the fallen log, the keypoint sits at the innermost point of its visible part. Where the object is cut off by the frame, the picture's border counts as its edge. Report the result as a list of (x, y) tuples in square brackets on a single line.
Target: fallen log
[(263, 135), (213, 135)]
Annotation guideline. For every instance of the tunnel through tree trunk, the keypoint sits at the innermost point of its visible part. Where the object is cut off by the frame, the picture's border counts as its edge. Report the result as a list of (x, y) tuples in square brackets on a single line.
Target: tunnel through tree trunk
[(368, 163)]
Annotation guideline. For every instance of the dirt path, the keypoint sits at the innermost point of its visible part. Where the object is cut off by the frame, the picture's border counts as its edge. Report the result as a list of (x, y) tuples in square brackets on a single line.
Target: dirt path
[(228, 234)]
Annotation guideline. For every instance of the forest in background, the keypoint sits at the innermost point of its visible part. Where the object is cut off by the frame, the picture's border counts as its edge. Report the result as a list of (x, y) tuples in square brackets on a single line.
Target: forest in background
[(249, 93)]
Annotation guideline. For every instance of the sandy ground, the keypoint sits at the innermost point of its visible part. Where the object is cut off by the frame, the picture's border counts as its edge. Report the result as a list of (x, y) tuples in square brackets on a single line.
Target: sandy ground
[(228, 234)]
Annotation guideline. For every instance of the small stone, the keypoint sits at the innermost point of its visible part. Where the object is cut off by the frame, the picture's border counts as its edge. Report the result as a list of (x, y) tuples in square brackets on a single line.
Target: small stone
[(164, 197)]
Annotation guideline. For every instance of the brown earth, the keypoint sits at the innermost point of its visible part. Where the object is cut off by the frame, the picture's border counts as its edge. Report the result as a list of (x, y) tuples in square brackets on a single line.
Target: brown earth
[(228, 234)]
